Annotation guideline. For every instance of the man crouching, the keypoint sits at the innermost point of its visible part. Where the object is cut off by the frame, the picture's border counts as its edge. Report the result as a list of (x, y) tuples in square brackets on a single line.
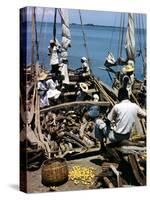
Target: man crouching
[(124, 115)]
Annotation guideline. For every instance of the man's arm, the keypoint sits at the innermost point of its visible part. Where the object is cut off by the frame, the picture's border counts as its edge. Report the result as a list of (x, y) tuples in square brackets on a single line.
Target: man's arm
[(140, 112), (112, 115)]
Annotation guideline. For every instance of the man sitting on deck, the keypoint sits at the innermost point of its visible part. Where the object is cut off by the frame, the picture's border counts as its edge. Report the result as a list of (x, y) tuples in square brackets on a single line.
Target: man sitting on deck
[(84, 66), (42, 89), (124, 114), (53, 93)]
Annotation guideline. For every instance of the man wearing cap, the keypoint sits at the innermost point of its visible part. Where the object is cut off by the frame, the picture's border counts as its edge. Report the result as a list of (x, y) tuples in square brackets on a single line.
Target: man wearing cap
[(84, 66), (128, 76), (53, 51)]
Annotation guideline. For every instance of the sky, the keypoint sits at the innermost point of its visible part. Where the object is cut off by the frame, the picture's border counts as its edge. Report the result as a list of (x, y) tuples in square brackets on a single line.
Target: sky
[(106, 18)]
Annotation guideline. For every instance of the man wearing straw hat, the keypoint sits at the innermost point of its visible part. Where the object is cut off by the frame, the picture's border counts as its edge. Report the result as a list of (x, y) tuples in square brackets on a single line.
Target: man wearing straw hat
[(128, 76), (81, 92), (42, 89)]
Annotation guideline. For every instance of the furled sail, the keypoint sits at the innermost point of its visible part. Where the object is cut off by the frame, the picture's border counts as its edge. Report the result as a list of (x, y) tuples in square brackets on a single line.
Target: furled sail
[(130, 38), (65, 44), (66, 36)]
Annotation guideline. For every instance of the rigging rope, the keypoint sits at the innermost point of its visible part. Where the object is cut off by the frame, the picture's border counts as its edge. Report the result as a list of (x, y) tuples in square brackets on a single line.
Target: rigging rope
[(85, 41), (122, 36), (43, 45), (41, 26), (36, 36), (112, 34), (143, 28), (54, 26), (33, 36), (119, 37)]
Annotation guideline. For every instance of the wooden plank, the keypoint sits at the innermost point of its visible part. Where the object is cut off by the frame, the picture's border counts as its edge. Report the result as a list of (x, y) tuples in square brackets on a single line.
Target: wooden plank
[(136, 171), (76, 103), (73, 93)]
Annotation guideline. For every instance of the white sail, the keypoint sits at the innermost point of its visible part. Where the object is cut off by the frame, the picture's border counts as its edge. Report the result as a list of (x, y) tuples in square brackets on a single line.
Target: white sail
[(130, 38), (66, 36), (66, 42)]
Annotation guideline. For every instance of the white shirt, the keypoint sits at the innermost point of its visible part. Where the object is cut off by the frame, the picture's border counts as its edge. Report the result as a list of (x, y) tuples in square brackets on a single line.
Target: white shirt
[(54, 55), (85, 66), (52, 90), (129, 83), (125, 114), (41, 86), (44, 101), (51, 84), (64, 72)]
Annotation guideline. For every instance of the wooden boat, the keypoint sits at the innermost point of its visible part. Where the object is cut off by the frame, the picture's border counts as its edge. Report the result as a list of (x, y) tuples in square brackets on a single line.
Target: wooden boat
[(59, 129)]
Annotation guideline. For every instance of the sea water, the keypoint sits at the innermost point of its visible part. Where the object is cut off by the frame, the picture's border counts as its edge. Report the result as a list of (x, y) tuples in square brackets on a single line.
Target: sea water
[(99, 41)]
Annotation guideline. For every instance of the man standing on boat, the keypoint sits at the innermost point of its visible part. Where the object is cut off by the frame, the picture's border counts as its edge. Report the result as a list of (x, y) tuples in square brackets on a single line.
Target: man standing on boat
[(124, 115), (63, 68), (54, 49), (128, 77)]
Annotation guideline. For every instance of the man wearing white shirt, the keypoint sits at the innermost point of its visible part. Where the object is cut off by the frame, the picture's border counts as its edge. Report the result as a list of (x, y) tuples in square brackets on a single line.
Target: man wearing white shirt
[(53, 92), (53, 52), (124, 114)]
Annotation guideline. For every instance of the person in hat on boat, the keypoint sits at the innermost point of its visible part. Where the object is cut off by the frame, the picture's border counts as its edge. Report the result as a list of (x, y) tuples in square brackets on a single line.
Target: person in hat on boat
[(54, 49), (42, 89), (81, 91), (93, 111), (128, 76), (124, 115), (143, 93), (84, 66), (42, 82)]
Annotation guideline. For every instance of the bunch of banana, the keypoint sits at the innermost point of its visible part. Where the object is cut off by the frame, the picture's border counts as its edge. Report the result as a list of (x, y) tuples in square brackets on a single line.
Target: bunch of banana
[(84, 175), (143, 156)]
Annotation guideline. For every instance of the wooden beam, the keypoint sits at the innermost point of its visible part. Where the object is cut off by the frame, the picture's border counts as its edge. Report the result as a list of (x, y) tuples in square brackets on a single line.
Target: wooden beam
[(75, 103)]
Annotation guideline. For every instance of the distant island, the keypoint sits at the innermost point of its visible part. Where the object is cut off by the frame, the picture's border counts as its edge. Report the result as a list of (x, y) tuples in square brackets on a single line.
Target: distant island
[(84, 24), (89, 25)]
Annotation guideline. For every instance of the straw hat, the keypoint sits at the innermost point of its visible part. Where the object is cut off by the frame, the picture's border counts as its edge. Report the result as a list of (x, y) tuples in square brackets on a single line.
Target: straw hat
[(83, 87), (128, 68), (42, 76)]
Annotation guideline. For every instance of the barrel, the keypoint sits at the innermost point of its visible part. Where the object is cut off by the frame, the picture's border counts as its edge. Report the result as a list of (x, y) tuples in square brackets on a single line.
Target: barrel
[(54, 172)]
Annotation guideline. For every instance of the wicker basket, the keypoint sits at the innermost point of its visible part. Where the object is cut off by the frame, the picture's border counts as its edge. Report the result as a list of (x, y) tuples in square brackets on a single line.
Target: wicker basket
[(54, 172)]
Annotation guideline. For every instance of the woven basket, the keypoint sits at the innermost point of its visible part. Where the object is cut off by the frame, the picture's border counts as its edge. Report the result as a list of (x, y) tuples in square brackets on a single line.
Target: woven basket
[(54, 172)]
